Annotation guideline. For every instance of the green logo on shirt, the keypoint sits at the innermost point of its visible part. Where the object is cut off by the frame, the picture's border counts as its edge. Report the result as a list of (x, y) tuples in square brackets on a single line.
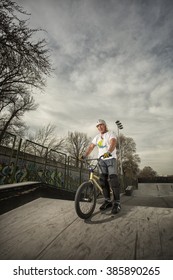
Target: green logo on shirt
[(100, 144)]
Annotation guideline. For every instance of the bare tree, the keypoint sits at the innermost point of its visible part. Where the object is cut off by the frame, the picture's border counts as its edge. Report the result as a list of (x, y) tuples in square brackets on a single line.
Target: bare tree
[(24, 64), (46, 137), (147, 172), (130, 160), (11, 118), (131, 165), (76, 144)]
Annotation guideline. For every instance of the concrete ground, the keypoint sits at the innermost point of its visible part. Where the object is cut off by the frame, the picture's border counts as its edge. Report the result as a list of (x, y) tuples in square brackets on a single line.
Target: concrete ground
[(48, 228)]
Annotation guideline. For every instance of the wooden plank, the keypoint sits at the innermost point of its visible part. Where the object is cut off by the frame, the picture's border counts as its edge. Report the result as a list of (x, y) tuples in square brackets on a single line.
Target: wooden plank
[(165, 221), (148, 245), (28, 230), (101, 237)]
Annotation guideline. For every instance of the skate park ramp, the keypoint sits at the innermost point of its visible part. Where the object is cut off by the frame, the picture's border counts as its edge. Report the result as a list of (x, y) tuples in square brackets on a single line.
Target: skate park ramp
[(47, 228), (154, 189)]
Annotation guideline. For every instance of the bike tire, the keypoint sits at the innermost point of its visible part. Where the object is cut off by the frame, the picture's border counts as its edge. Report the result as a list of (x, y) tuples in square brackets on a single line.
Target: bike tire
[(85, 200)]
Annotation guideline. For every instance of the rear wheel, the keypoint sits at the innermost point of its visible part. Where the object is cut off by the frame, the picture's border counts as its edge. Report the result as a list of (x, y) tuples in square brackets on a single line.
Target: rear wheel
[(85, 200)]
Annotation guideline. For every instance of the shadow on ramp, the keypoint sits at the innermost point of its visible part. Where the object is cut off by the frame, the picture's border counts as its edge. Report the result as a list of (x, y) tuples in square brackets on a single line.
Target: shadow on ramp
[(105, 217)]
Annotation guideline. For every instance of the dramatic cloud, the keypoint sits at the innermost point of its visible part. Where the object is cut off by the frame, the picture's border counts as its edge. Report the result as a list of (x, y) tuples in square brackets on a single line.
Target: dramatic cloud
[(112, 60)]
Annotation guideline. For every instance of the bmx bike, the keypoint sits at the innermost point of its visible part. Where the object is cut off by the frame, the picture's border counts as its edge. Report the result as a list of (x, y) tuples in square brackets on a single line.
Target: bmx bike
[(87, 193)]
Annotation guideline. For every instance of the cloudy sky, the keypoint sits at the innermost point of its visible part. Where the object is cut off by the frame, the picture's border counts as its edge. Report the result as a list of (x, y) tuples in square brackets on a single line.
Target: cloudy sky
[(113, 60)]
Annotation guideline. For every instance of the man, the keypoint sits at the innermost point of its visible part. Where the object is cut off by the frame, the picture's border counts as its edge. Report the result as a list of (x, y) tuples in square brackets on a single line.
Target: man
[(106, 143)]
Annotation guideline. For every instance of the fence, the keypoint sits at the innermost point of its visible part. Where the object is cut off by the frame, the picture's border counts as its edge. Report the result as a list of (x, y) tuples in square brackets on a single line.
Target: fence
[(29, 161)]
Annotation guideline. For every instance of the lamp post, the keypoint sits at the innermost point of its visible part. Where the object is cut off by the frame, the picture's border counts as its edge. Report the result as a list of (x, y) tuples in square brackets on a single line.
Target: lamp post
[(120, 126)]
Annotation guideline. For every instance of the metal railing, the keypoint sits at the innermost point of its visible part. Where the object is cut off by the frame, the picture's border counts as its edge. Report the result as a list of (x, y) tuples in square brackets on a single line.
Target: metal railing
[(30, 161)]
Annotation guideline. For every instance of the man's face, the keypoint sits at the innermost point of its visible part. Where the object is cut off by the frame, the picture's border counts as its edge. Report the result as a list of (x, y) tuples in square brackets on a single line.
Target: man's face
[(101, 128)]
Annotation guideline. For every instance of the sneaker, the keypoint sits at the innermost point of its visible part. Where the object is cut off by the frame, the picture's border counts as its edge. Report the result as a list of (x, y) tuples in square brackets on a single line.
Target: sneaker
[(116, 208), (105, 205)]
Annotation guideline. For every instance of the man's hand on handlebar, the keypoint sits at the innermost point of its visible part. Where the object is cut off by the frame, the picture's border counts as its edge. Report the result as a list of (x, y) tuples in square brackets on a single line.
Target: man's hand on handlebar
[(107, 155), (82, 157)]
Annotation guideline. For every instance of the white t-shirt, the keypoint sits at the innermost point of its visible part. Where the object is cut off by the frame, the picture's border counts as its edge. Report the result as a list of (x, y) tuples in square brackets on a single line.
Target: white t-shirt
[(103, 142)]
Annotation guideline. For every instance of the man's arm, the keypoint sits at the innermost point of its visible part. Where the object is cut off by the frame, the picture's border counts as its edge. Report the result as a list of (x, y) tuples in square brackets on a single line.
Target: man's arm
[(112, 146), (89, 150)]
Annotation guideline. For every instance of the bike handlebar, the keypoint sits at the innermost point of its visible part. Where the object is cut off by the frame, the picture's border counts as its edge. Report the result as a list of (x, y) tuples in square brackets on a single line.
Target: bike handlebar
[(87, 160), (90, 159)]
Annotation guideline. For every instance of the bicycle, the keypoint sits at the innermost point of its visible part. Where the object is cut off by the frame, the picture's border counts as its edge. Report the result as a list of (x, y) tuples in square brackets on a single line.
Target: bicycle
[(86, 194)]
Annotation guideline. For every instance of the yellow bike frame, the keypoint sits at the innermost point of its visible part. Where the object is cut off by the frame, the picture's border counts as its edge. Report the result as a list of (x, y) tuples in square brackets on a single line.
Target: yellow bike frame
[(94, 178)]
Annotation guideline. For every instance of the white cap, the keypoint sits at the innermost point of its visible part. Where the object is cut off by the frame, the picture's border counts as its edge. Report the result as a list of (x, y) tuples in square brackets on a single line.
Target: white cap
[(100, 122)]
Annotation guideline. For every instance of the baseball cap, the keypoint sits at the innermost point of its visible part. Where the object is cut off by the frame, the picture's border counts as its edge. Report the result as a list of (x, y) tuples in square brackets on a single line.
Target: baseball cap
[(100, 122)]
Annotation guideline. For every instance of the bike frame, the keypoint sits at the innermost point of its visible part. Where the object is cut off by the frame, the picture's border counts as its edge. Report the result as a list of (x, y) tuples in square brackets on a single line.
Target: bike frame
[(94, 178)]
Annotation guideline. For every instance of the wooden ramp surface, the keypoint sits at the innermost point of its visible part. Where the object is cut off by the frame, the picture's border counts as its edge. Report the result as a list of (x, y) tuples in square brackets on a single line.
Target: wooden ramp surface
[(154, 189), (50, 229)]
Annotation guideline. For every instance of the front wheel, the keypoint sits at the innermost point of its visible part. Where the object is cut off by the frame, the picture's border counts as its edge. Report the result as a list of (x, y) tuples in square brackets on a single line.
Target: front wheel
[(85, 200)]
